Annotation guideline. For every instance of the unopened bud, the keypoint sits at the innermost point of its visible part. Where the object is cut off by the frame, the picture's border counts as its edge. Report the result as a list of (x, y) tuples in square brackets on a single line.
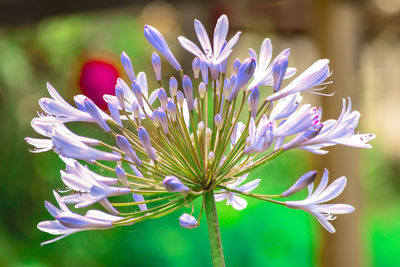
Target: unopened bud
[(218, 121), (173, 86), (236, 65), (200, 127), (94, 112), (156, 62), (173, 184), (301, 183), (202, 90), (196, 67), (187, 221)]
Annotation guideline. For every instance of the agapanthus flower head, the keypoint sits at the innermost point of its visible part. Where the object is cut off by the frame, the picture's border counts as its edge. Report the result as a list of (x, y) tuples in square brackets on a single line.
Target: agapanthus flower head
[(197, 138)]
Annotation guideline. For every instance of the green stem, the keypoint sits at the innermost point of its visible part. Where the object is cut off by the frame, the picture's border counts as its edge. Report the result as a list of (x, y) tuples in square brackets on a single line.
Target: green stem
[(213, 229)]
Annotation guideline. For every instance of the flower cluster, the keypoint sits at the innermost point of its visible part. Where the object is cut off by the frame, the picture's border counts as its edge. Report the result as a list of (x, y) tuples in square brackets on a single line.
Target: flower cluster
[(191, 136)]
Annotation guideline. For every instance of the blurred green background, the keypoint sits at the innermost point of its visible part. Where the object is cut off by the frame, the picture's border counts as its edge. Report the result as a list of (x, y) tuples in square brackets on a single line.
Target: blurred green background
[(51, 43)]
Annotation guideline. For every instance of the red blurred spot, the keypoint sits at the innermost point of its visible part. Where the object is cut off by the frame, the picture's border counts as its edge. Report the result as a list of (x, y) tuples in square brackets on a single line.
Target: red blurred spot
[(98, 78)]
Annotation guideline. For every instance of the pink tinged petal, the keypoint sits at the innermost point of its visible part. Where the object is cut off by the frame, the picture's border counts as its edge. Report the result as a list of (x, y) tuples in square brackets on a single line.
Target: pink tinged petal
[(250, 186), (203, 38), (238, 203), (253, 54), (52, 209), (220, 33), (63, 207), (192, 48)]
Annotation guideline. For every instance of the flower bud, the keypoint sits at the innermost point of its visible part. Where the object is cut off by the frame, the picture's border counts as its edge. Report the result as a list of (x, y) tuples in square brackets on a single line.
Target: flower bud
[(202, 90), (204, 71), (253, 101), (236, 65), (214, 70), (145, 139), (127, 64), (196, 105), (232, 79), (245, 73), (163, 120), (112, 104), (158, 42), (188, 90), (94, 111), (218, 121), (227, 88), (187, 221), (120, 172), (211, 157), (279, 69), (137, 91), (208, 133), (119, 93), (180, 97), (171, 108), (301, 183), (173, 86), (155, 118), (163, 98), (173, 184), (135, 109), (125, 146), (156, 62), (200, 127), (196, 67), (223, 65)]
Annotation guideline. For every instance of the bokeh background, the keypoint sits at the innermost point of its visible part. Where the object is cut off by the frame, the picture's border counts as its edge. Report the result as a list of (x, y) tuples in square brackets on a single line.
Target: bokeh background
[(69, 42)]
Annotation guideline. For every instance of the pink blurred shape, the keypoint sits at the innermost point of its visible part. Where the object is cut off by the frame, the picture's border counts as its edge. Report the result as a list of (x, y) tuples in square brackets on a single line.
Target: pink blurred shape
[(97, 78)]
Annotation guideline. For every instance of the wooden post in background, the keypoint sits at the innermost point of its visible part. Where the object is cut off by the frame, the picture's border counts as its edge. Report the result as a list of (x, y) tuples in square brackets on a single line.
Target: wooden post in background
[(337, 31)]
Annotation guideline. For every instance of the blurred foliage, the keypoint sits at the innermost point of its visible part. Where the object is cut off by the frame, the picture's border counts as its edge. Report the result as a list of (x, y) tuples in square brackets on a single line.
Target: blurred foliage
[(261, 235)]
